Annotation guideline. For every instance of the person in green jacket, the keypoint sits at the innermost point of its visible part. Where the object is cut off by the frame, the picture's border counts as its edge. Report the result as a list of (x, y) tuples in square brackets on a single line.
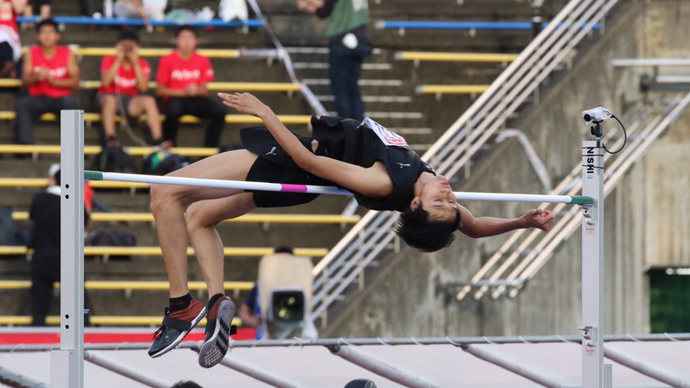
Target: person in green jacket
[(348, 47)]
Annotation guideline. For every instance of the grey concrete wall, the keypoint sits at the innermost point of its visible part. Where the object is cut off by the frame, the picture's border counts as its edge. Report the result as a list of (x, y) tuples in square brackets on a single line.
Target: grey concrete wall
[(646, 222)]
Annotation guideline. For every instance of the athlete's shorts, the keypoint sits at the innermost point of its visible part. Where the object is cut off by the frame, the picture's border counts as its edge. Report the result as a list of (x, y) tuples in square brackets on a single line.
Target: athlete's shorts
[(274, 165)]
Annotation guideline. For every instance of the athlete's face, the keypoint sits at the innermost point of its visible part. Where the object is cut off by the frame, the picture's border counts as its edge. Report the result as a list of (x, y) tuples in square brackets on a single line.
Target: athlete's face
[(437, 198), (186, 41)]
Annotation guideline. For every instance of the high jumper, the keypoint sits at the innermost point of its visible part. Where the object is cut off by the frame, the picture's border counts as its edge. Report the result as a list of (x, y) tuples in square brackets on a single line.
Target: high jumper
[(375, 164)]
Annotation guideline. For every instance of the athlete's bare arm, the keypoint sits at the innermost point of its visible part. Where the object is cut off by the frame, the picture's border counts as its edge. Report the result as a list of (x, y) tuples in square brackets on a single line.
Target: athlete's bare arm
[(373, 181), (477, 227)]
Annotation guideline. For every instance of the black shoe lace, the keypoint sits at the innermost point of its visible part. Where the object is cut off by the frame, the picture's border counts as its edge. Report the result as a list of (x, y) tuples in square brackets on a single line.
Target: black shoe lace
[(158, 333)]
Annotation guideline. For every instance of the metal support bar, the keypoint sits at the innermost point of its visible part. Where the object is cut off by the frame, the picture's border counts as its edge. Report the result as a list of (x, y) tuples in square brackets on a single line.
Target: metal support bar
[(123, 370), (532, 155), (488, 283), (457, 341), (593, 265), (379, 367), (15, 380), (258, 374), (67, 364), (644, 368), (511, 366)]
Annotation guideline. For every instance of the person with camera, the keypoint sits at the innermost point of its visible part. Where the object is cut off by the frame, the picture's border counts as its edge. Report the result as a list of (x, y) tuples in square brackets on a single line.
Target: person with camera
[(50, 72), (124, 77), (182, 77), (286, 281)]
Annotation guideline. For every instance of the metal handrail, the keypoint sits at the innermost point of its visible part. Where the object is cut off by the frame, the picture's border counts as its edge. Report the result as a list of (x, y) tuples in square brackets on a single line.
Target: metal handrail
[(471, 131)]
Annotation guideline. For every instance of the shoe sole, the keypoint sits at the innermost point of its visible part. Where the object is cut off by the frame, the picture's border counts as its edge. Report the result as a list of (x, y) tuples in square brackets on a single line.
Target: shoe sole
[(181, 336), (215, 348)]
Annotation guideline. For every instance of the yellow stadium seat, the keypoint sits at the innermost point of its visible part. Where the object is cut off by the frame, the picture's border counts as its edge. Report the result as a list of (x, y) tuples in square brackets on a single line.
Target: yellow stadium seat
[(454, 57), (247, 218), (156, 251), (128, 285), (451, 89), (231, 118)]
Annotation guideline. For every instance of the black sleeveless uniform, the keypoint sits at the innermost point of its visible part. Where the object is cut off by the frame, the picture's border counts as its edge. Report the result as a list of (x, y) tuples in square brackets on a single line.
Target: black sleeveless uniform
[(342, 139)]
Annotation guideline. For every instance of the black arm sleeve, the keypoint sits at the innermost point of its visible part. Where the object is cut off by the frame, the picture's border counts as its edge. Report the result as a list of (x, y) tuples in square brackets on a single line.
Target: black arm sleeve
[(326, 9)]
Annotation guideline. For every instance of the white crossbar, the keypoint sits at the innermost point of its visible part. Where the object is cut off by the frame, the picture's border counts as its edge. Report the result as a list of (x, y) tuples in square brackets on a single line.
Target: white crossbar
[(296, 188)]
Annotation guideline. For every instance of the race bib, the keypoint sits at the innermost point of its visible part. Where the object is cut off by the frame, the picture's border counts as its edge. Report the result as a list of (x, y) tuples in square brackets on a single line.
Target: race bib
[(387, 137)]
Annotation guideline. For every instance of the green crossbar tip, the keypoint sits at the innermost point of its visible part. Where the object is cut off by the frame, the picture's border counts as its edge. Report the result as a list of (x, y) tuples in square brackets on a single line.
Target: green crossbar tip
[(580, 200), (93, 175)]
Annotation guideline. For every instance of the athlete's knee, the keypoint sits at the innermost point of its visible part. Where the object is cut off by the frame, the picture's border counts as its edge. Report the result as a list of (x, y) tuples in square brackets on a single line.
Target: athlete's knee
[(161, 197), (194, 217)]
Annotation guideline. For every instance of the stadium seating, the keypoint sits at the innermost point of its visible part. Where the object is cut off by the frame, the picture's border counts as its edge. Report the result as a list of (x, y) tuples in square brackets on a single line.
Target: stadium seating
[(128, 285), (451, 89), (212, 86), (83, 20), (304, 228), (418, 56), (247, 218), (156, 251)]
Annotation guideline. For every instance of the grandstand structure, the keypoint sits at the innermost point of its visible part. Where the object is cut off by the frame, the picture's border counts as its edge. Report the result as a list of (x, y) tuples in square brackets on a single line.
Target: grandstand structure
[(387, 93), (450, 92)]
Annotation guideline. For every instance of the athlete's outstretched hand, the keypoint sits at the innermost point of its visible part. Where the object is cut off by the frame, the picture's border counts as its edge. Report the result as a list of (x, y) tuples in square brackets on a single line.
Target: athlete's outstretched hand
[(538, 218), (244, 103)]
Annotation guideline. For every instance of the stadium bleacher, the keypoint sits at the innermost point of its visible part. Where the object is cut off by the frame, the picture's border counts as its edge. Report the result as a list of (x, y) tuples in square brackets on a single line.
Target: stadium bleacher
[(388, 84)]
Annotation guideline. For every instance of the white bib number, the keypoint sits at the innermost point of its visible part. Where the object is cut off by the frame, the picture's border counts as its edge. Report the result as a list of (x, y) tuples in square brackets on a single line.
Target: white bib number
[(388, 138)]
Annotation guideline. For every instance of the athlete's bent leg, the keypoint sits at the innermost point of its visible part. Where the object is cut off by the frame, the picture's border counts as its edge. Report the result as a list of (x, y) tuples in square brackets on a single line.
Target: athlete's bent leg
[(202, 218), (168, 202)]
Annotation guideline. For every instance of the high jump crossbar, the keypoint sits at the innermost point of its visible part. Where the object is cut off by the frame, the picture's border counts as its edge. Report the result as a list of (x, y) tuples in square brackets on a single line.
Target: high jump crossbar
[(311, 189)]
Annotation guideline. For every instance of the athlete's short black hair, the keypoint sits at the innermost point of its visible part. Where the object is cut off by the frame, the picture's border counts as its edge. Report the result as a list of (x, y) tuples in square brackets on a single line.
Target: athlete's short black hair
[(428, 236)]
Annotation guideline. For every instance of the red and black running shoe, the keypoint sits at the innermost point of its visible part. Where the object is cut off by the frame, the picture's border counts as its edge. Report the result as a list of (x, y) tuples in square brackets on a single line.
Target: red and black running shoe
[(175, 327), (218, 330)]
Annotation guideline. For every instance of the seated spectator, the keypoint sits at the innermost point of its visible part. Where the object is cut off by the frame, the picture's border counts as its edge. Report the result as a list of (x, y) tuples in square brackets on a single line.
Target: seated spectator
[(124, 76), (145, 9), (50, 72), (40, 7), (10, 44), (182, 77)]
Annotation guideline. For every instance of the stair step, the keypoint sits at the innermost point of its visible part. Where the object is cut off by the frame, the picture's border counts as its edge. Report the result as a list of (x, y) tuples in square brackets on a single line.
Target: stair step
[(323, 65), (391, 99), (362, 82), (320, 50)]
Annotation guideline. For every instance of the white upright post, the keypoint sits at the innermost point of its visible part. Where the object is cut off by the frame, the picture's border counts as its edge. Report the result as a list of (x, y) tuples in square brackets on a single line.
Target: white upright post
[(67, 364), (593, 265)]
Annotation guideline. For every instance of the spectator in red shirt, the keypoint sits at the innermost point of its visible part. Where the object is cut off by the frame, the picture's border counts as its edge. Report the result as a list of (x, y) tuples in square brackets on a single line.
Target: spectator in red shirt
[(123, 77), (10, 44), (50, 72), (182, 77)]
